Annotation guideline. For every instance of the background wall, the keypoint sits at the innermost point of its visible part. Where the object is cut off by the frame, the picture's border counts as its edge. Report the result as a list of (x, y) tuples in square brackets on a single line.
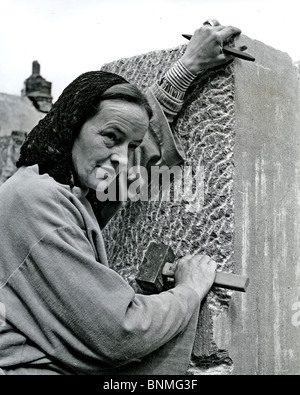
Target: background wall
[(241, 124)]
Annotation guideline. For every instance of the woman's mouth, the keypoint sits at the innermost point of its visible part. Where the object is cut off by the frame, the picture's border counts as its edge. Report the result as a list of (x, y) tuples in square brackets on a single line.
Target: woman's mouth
[(105, 175)]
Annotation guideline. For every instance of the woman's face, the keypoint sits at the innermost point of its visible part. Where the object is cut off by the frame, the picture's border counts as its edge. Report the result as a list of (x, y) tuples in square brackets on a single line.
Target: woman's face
[(107, 141)]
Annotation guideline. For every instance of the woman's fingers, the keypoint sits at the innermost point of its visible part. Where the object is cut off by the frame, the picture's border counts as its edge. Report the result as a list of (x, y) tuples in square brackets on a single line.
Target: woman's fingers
[(213, 265), (229, 32)]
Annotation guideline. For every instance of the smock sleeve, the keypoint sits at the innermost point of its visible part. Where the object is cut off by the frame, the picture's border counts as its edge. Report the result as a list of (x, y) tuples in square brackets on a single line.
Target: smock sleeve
[(161, 146)]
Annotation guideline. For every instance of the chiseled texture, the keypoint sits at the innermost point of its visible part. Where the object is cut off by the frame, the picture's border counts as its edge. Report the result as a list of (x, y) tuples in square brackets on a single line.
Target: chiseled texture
[(205, 127)]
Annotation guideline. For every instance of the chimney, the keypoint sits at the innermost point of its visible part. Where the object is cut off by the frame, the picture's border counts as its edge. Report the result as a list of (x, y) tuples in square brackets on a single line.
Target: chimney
[(38, 90), (36, 68)]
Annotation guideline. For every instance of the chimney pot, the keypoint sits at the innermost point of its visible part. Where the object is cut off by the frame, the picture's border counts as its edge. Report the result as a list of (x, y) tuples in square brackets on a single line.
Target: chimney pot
[(36, 68)]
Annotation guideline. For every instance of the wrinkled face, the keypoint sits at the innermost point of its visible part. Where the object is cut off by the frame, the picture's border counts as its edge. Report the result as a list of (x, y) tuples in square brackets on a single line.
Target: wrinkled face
[(107, 141)]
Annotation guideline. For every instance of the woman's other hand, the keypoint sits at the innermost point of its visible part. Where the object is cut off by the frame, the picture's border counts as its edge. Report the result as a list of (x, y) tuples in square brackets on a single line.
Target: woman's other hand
[(204, 50)]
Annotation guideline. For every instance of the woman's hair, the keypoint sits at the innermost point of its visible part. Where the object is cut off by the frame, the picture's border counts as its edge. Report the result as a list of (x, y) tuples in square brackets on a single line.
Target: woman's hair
[(50, 143)]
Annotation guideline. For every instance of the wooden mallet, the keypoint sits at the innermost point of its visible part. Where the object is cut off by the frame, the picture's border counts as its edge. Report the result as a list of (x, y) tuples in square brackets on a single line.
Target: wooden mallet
[(159, 265)]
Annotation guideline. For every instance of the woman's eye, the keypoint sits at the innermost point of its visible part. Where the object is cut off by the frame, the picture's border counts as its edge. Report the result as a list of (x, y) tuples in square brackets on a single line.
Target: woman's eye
[(111, 136), (110, 139)]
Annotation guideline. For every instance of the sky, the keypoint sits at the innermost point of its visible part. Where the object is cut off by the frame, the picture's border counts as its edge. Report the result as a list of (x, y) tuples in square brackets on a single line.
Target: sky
[(70, 37)]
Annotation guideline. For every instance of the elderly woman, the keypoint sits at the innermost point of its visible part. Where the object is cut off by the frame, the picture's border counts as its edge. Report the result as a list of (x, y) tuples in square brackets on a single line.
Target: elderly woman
[(66, 311)]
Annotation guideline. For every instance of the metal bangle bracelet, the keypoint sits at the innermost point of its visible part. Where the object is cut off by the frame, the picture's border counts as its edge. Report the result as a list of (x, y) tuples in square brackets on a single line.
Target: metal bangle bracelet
[(209, 22)]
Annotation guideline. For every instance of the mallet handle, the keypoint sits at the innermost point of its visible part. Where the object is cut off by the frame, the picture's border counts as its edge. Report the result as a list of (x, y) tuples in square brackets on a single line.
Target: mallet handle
[(230, 281)]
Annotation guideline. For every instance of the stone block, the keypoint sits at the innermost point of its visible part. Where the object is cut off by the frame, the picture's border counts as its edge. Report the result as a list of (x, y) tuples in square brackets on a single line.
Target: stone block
[(240, 123)]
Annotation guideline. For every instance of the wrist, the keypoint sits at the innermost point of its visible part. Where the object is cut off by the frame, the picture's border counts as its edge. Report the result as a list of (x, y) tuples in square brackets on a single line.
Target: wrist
[(177, 80), (193, 67)]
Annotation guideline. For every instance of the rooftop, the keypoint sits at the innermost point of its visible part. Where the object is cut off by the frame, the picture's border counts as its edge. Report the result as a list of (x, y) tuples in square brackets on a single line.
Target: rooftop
[(17, 113)]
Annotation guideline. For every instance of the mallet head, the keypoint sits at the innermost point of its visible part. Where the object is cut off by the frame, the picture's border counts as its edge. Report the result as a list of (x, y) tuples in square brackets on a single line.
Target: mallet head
[(150, 277)]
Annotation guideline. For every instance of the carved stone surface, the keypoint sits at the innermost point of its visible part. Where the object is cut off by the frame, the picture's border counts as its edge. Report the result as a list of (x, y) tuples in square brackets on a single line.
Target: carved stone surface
[(206, 129)]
